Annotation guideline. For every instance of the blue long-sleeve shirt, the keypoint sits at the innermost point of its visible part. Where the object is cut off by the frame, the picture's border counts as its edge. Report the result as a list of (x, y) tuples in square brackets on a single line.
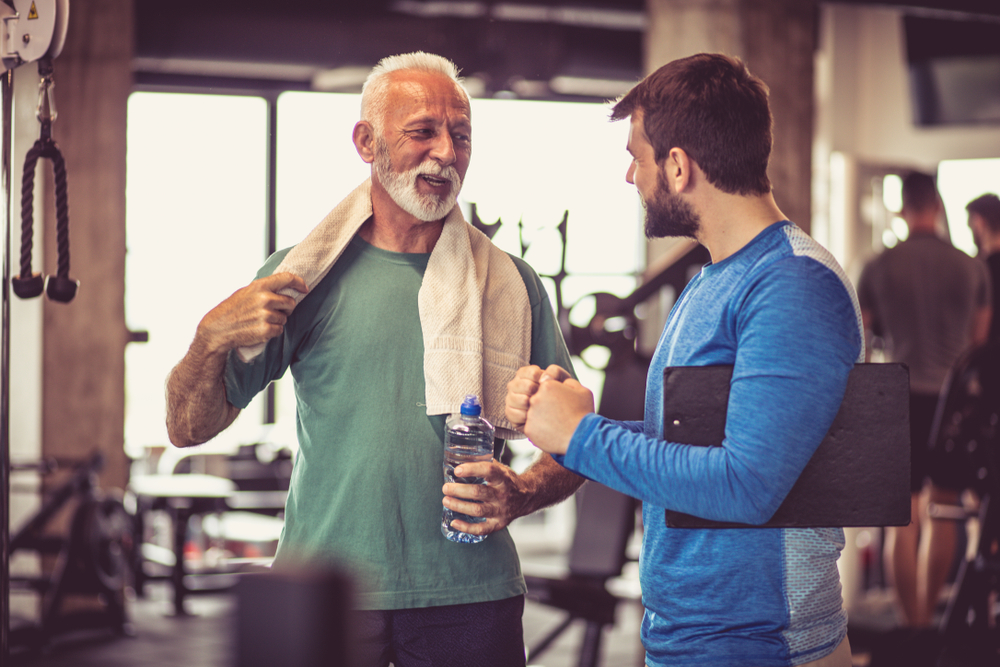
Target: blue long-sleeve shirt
[(783, 313)]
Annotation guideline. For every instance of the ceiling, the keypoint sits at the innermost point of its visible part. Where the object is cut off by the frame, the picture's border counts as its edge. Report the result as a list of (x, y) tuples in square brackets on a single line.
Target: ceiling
[(536, 49)]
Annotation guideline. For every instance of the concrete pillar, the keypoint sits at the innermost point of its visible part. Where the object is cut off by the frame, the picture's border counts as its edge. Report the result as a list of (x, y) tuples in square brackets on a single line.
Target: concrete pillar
[(777, 41), (84, 340)]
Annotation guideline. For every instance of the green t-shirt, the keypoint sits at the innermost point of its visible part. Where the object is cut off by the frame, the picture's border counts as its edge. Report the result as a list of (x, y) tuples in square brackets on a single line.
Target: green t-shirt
[(366, 486)]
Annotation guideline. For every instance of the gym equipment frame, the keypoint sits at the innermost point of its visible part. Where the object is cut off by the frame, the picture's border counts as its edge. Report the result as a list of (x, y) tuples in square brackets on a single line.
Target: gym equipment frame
[(30, 31), (95, 558)]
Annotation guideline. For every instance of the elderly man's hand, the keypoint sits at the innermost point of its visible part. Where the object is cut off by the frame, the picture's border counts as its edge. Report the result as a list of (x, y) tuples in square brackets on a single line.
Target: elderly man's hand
[(253, 314), (524, 385), (554, 412), (501, 500)]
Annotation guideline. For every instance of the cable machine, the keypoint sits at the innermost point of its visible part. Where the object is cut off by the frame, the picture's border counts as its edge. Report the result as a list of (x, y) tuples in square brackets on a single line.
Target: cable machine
[(30, 31)]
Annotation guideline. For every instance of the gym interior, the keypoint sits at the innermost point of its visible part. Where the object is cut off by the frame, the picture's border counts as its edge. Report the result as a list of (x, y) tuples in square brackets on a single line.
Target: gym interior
[(164, 150)]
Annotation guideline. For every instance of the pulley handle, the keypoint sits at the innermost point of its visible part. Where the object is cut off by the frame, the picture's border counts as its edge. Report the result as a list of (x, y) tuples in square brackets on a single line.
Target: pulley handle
[(59, 287)]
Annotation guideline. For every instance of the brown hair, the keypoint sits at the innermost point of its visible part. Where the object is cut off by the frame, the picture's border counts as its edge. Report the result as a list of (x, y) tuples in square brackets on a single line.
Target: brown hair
[(919, 191), (713, 108), (988, 208)]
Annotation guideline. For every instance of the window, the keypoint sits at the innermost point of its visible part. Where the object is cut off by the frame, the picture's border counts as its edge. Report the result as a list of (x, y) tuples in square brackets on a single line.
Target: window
[(959, 182), (196, 207)]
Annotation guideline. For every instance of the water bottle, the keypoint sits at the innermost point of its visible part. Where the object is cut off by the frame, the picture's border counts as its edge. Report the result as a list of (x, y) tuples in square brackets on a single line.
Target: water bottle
[(467, 438)]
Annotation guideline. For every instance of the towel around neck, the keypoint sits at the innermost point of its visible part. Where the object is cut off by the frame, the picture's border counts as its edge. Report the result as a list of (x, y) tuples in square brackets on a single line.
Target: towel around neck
[(473, 306)]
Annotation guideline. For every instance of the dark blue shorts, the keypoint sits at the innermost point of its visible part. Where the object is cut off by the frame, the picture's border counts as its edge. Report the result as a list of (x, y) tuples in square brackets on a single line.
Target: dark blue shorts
[(922, 408), (483, 634)]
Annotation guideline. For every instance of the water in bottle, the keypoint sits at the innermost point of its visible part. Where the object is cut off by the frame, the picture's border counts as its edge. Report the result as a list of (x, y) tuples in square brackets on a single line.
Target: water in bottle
[(468, 438)]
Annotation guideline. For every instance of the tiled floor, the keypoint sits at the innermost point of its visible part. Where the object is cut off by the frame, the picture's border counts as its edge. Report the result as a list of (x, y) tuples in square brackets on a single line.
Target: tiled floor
[(206, 637), (158, 639)]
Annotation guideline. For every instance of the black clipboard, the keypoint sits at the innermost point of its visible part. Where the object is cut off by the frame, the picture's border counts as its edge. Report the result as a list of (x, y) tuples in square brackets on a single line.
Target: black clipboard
[(859, 475)]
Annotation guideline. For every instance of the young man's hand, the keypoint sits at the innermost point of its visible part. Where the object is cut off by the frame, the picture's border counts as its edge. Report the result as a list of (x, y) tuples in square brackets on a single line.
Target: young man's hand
[(523, 387), (555, 410)]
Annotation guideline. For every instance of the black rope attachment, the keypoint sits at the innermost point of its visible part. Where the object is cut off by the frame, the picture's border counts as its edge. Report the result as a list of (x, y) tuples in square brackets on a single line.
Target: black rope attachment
[(59, 287)]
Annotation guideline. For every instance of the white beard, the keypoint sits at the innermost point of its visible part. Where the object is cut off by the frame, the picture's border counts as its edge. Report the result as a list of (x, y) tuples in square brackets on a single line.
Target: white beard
[(402, 186)]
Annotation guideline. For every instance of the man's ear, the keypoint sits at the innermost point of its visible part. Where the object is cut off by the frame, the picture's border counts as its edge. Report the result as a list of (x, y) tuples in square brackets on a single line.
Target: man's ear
[(678, 169), (364, 140), (979, 228)]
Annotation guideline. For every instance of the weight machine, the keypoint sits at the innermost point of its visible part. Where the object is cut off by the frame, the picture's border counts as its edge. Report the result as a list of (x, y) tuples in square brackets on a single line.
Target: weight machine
[(30, 31), (967, 431), (94, 559)]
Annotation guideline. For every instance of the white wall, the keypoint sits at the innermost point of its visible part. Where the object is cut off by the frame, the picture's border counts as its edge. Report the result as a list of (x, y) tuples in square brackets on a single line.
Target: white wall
[(865, 118), (871, 100)]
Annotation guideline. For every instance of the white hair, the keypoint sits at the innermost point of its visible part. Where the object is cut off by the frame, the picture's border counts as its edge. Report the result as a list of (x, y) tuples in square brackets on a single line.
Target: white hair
[(374, 92)]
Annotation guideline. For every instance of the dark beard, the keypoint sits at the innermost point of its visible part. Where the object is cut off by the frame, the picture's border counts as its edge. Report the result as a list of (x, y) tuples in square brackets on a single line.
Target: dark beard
[(669, 215)]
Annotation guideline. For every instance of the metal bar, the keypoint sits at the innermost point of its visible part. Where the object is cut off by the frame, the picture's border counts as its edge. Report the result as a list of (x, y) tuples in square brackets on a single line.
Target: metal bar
[(7, 87), (540, 647), (271, 240), (272, 175)]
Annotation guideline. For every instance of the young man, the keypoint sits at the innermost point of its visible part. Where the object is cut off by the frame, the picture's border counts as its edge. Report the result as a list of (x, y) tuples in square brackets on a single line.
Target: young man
[(387, 314), (776, 306)]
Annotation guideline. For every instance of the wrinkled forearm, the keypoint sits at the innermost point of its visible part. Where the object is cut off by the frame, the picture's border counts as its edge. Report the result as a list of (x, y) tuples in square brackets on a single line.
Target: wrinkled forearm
[(197, 408), (545, 483)]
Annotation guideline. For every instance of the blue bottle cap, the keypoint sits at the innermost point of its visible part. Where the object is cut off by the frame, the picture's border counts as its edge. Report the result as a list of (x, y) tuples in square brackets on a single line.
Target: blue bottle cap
[(470, 406)]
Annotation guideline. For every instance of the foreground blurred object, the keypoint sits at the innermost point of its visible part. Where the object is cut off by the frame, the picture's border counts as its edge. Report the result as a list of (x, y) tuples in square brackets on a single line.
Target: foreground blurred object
[(293, 617)]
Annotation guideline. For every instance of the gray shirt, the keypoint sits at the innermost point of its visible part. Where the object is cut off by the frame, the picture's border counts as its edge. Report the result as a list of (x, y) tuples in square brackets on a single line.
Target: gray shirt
[(923, 296)]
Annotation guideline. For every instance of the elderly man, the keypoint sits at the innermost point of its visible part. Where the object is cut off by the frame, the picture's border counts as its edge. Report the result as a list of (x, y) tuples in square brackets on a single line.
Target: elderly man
[(777, 307), (387, 314)]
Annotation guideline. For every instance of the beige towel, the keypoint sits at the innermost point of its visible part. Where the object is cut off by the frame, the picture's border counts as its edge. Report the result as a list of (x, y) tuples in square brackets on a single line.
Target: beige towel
[(474, 308)]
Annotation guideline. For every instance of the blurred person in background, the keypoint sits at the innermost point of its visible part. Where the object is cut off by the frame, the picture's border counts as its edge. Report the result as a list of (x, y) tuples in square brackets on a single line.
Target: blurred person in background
[(929, 302), (984, 221)]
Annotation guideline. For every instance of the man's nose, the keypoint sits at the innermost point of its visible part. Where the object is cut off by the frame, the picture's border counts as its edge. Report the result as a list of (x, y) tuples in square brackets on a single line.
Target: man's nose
[(443, 150)]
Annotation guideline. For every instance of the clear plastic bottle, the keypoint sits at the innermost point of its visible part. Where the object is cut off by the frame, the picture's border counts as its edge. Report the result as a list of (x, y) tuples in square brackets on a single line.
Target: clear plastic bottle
[(467, 438)]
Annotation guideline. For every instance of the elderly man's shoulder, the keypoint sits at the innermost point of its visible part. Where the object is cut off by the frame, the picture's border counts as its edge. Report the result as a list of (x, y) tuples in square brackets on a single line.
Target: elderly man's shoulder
[(532, 281), (274, 260)]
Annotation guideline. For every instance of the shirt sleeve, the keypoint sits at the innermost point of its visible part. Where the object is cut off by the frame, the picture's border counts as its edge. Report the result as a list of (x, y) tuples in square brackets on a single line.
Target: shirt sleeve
[(631, 427), (797, 341)]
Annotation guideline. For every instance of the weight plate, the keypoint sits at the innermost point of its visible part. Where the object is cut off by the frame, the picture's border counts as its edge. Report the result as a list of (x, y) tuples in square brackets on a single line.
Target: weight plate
[(104, 539)]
